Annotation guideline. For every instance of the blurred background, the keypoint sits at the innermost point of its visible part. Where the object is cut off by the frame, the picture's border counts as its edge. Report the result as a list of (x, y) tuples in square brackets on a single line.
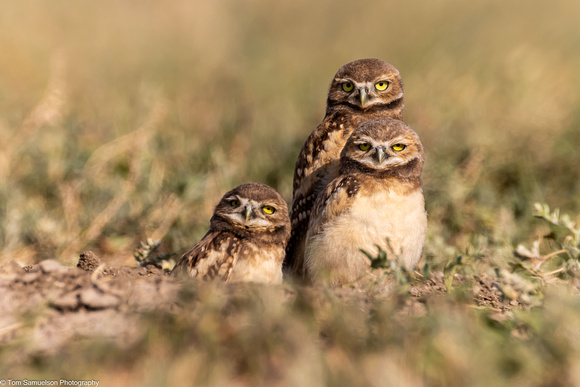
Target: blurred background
[(121, 121)]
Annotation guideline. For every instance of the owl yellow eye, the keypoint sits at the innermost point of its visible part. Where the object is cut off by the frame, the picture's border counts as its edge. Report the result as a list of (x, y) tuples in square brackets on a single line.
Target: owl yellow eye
[(364, 147), (235, 203), (347, 86), (398, 147), (268, 210), (380, 86)]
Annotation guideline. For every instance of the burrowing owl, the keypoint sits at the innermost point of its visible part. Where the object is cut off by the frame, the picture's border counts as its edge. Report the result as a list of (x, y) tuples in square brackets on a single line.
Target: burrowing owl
[(360, 91), (376, 200), (246, 240)]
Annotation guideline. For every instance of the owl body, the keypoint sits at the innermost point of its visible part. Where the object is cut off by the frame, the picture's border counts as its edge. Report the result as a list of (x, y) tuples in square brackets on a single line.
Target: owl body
[(380, 214), (318, 162), (376, 200), (246, 241)]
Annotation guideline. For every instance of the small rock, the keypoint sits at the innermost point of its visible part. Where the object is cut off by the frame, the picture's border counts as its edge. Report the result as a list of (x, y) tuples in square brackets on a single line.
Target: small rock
[(69, 301), (88, 261), (51, 266), (92, 298), (152, 269), (8, 278), (30, 277), (29, 268)]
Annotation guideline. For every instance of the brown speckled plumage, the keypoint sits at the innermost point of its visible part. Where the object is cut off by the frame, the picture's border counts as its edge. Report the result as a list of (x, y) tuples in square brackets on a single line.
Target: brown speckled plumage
[(318, 161), (242, 245), (376, 200)]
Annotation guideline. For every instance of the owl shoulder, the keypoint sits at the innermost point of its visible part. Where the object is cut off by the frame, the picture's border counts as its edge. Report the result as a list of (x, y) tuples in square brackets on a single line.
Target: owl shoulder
[(212, 257), (314, 145), (334, 200)]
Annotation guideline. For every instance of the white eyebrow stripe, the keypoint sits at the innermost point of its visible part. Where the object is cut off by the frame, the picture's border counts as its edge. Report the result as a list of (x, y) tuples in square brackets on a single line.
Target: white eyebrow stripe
[(364, 140), (254, 203), (399, 140), (367, 140), (379, 79), (355, 83)]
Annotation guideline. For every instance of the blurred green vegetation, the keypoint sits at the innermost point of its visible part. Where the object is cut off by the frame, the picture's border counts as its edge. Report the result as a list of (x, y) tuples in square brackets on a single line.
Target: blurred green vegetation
[(122, 121)]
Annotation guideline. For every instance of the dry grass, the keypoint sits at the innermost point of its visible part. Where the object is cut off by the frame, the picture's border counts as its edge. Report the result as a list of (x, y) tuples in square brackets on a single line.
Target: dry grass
[(121, 122)]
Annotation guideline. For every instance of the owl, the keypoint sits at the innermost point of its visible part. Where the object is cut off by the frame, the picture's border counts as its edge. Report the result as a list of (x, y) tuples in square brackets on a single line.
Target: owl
[(246, 240), (376, 200), (360, 91)]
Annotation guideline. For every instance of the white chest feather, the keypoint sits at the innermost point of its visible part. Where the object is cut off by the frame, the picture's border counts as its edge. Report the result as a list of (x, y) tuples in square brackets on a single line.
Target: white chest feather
[(258, 265), (395, 222)]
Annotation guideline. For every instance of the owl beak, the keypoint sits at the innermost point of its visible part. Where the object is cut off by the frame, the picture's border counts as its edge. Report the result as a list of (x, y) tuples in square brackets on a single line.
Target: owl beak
[(381, 154), (248, 213), (363, 96)]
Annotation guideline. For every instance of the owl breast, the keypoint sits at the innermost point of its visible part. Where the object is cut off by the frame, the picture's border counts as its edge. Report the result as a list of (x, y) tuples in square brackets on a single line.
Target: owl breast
[(397, 222), (258, 264)]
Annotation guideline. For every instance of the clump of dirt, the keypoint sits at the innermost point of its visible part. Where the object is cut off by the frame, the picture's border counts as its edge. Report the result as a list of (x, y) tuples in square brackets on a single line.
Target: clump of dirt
[(435, 285), (484, 290), (87, 300), (486, 293), (89, 261), (94, 300)]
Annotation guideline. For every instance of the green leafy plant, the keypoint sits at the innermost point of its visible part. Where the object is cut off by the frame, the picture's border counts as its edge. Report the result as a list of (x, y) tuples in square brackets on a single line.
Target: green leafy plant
[(390, 266), (451, 269), (462, 264), (571, 241), (517, 289), (563, 258)]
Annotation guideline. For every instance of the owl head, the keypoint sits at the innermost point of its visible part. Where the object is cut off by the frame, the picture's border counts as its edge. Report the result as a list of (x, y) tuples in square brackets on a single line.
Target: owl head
[(252, 208), (367, 84), (384, 147)]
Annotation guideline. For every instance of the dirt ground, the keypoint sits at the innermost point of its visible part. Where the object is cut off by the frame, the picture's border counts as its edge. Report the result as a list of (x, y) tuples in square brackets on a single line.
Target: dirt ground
[(58, 304)]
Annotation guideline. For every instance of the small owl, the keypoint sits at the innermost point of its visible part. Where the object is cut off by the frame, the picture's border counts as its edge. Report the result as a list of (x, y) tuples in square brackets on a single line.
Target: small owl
[(376, 200), (246, 240), (360, 91)]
